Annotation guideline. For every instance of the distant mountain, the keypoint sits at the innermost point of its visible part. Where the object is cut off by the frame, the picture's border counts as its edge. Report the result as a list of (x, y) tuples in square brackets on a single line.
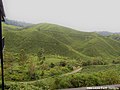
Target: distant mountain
[(106, 33), (17, 23), (61, 41), (114, 36)]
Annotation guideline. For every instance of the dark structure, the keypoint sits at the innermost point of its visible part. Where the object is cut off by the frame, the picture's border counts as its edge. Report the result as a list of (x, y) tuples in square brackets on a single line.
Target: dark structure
[(2, 11), (2, 15)]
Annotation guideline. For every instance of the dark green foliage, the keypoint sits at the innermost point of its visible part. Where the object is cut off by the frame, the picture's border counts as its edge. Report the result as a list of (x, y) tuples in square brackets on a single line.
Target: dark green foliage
[(62, 63), (69, 66), (31, 71), (40, 54), (22, 56), (42, 73), (9, 57), (116, 60), (85, 80), (94, 61), (52, 65), (56, 83)]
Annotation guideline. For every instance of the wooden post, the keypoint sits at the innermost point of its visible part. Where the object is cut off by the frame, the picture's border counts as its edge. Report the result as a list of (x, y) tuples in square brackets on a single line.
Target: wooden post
[(1, 52)]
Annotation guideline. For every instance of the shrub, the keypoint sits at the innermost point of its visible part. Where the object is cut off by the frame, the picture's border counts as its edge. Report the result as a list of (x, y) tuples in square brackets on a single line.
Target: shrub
[(62, 63)]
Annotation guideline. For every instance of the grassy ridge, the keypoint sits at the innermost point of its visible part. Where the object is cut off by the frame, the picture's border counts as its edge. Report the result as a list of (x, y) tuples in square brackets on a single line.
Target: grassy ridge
[(100, 68), (60, 40)]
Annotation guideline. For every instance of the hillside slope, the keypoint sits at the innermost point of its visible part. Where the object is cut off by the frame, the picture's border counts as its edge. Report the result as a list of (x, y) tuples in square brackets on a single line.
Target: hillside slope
[(60, 40), (115, 37)]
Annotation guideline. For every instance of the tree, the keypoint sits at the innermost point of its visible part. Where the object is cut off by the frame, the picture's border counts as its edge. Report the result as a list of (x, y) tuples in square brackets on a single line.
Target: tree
[(8, 57), (31, 70), (22, 55), (41, 56)]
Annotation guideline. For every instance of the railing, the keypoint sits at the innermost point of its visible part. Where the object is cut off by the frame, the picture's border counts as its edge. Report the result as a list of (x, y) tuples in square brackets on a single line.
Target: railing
[(104, 87)]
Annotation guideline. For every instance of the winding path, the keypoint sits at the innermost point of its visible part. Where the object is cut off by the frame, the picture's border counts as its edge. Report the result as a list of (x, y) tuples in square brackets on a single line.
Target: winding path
[(29, 82), (74, 71)]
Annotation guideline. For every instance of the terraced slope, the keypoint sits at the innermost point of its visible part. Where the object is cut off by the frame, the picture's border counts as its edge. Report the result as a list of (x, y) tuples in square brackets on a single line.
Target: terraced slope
[(60, 40)]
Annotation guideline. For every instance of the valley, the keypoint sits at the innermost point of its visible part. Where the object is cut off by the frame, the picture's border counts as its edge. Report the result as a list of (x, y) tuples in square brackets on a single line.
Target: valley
[(49, 56)]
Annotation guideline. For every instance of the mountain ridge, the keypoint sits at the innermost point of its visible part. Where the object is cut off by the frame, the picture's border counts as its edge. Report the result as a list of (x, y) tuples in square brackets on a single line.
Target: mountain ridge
[(64, 41)]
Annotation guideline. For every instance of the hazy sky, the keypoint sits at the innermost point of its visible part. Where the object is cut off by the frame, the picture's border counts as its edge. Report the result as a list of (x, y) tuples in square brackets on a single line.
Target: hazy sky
[(84, 15)]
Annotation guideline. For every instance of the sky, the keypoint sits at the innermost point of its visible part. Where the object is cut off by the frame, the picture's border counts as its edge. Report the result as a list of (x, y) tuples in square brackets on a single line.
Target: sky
[(83, 15)]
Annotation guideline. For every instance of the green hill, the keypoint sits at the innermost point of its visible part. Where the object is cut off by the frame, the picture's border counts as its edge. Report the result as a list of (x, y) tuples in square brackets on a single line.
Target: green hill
[(101, 47), (115, 37), (59, 40), (66, 50)]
